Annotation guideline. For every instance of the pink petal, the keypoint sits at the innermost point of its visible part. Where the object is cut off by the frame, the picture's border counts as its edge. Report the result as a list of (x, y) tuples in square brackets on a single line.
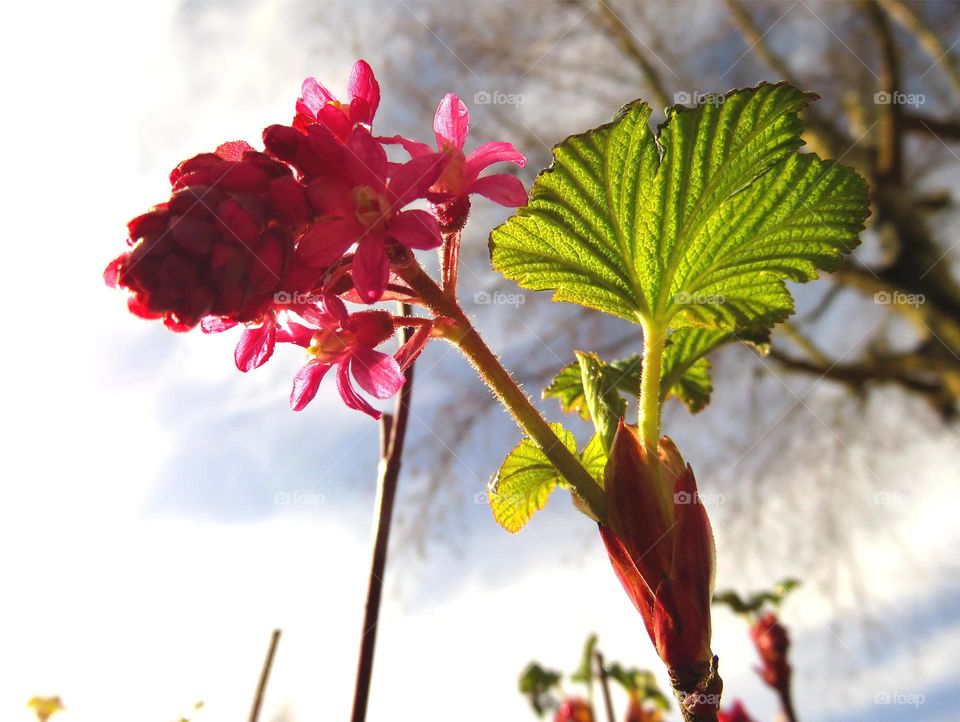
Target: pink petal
[(326, 241), (414, 178), (377, 373), (331, 197), (234, 149), (367, 160), (502, 188), (255, 346), (350, 396), (313, 96), (413, 147), (490, 153), (415, 229), (111, 274), (296, 333), (306, 383), (363, 86), (216, 324), (371, 269), (451, 122), (329, 312), (333, 117)]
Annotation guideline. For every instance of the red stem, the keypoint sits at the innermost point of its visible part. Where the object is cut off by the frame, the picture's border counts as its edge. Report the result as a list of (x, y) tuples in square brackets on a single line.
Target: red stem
[(394, 432)]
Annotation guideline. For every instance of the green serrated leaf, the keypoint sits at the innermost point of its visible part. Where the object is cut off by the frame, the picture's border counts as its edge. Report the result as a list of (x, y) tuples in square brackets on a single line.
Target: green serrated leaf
[(686, 370), (700, 225), (525, 481), (594, 458), (567, 388), (603, 399)]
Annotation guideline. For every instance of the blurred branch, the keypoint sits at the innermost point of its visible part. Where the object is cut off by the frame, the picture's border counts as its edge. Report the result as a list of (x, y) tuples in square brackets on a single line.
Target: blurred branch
[(264, 676), (824, 137), (909, 371), (943, 129), (889, 161), (604, 685), (928, 40), (630, 46)]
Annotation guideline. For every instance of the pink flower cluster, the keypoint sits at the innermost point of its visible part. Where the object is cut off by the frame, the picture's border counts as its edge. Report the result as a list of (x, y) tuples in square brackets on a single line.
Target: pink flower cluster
[(277, 240)]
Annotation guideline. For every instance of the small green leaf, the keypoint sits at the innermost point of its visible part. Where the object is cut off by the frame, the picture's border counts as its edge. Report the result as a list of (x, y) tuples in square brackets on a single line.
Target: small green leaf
[(567, 388), (686, 371), (755, 602), (536, 683), (584, 672), (603, 399), (640, 684), (594, 458), (734, 601), (700, 225), (525, 481)]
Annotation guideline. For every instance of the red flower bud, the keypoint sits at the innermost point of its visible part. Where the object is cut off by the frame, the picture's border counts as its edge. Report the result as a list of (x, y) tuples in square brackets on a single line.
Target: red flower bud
[(661, 546), (734, 713), (220, 246), (574, 709), (636, 712), (772, 643)]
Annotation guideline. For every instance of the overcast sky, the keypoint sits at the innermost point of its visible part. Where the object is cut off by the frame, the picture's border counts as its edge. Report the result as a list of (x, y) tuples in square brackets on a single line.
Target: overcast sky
[(143, 555)]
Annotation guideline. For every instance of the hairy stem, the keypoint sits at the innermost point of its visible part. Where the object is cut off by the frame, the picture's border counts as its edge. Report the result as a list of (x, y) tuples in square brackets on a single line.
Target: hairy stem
[(454, 326), (654, 338), (488, 366)]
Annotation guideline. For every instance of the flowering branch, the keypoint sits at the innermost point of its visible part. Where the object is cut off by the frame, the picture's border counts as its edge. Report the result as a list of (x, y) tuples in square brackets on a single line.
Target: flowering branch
[(288, 241)]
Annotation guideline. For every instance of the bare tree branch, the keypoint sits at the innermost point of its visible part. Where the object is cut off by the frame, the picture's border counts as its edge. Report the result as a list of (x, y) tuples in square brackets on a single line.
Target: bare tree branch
[(928, 40)]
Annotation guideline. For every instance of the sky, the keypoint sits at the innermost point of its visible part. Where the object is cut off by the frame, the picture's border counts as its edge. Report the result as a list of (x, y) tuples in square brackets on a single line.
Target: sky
[(147, 552)]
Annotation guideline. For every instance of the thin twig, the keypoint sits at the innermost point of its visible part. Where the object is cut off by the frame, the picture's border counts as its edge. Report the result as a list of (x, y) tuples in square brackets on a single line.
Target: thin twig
[(630, 46), (936, 50), (393, 432), (604, 684), (264, 676)]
